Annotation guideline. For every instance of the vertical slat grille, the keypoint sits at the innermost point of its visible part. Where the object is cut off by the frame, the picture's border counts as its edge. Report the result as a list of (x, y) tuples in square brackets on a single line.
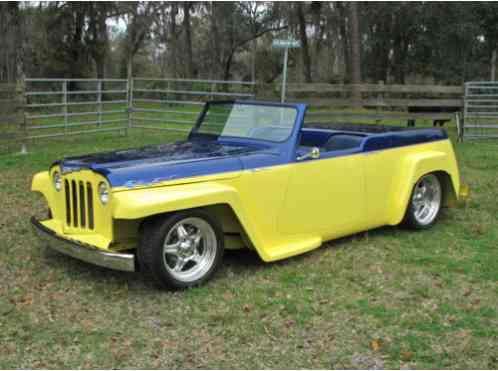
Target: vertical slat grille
[(79, 204), (67, 192), (82, 205), (89, 191), (74, 196)]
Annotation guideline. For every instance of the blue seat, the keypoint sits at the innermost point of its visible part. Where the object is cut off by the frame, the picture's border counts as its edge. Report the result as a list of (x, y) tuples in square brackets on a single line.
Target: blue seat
[(339, 142)]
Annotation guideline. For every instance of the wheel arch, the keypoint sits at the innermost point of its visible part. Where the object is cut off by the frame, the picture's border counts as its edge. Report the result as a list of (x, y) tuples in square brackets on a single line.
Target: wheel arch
[(230, 223), (416, 166), (449, 191), (220, 200)]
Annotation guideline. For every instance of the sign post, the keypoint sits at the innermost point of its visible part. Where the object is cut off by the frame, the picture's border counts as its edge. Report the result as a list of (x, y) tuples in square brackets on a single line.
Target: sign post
[(286, 45)]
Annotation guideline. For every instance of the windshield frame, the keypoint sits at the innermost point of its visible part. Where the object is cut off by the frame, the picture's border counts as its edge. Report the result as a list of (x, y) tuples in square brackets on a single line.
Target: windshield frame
[(195, 129)]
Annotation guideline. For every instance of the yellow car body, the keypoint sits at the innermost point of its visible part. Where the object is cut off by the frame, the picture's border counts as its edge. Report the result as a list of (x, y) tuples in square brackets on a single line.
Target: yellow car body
[(279, 210)]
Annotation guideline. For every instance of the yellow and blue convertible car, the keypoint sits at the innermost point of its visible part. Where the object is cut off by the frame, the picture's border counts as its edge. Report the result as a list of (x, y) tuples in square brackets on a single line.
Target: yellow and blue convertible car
[(250, 175)]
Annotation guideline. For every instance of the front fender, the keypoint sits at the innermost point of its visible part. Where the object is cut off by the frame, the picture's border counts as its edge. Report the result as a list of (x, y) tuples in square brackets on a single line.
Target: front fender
[(142, 203), (42, 183), (413, 167)]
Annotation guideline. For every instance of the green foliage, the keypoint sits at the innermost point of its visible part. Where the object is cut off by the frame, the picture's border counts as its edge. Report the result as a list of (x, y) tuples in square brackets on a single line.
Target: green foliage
[(401, 42)]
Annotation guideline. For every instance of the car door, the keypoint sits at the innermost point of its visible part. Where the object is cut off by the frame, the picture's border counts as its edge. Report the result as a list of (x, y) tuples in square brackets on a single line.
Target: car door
[(325, 196)]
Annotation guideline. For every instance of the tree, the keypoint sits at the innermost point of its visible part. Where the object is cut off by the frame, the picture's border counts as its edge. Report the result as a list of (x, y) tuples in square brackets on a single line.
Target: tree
[(487, 13), (304, 42), (355, 54), (138, 16), (97, 35), (12, 41), (187, 6), (393, 41)]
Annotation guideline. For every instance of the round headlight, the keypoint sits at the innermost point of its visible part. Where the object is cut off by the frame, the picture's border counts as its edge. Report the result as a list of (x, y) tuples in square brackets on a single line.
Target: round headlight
[(57, 181), (103, 193)]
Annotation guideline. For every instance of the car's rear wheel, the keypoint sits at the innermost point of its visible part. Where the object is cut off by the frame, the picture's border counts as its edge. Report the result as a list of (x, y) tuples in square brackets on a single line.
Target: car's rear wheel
[(425, 202), (182, 250)]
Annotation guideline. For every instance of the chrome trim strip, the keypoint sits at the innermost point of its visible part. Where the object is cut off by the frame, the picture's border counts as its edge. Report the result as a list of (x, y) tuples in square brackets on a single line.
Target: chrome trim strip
[(87, 253)]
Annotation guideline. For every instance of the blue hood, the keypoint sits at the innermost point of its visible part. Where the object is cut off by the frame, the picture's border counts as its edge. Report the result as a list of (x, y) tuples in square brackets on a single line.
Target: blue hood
[(133, 167)]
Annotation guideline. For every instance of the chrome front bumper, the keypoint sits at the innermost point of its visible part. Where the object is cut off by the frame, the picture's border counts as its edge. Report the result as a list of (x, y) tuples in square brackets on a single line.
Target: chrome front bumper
[(87, 253)]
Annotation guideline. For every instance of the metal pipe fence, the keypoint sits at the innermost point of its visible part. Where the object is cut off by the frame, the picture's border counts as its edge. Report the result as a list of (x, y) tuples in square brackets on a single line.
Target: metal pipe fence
[(55, 107), (480, 114), (174, 104), (61, 107)]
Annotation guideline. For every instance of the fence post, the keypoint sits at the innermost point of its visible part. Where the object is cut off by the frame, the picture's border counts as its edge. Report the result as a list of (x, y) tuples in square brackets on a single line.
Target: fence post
[(129, 89), (213, 89), (64, 107), (99, 103), (380, 100), (465, 109), (459, 127), (168, 89), (22, 99)]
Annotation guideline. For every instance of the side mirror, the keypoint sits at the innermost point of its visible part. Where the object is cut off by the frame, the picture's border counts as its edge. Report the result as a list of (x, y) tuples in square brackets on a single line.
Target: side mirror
[(313, 154)]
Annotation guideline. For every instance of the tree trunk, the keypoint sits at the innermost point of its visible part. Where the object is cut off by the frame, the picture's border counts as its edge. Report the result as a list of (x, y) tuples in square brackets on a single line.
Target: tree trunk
[(304, 43), (493, 65), (228, 65), (102, 43), (316, 9), (18, 30), (381, 40), (188, 39), (355, 55), (100, 66), (129, 66), (215, 37), (400, 52), (253, 60), (76, 50), (345, 41), (173, 38)]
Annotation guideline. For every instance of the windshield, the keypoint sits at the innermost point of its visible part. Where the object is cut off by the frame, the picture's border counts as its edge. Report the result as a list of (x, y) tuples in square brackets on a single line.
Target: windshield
[(250, 121)]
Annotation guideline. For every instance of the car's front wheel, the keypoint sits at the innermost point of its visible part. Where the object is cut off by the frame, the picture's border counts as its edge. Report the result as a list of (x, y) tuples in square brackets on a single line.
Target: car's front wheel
[(182, 250), (425, 202)]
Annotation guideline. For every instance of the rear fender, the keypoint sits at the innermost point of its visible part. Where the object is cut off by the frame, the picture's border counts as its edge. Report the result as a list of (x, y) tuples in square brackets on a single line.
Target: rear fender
[(413, 167)]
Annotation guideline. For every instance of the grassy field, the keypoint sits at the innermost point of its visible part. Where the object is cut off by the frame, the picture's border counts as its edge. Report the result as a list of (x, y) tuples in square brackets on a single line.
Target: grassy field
[(389, 298)]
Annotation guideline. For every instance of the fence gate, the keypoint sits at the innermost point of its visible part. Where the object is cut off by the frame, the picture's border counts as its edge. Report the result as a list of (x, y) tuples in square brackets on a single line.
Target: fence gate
[(480, 111), (59, 107)]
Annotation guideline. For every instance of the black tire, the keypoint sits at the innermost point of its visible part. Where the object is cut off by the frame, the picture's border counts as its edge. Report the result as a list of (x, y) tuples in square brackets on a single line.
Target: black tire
[(413, 217), (154, 261)]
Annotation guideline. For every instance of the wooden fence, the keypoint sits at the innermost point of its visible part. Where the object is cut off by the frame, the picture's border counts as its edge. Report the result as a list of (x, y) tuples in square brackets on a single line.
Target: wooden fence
[(393, 97), (407, 103)]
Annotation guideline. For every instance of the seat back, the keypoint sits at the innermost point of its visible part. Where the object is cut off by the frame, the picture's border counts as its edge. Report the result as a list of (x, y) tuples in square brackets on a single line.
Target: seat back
[(339, 142)]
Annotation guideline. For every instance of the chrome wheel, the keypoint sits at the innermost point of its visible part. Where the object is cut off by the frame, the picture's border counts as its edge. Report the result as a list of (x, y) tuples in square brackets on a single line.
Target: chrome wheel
[(189, 249), (426, 199)]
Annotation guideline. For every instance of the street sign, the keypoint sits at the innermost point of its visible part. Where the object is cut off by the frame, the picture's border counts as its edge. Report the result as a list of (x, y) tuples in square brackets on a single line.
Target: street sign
[(290, 43), (286, 45)]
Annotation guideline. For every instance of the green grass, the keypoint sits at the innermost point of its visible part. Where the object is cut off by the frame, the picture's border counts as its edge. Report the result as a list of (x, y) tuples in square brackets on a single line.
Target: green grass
[(387, 298)]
